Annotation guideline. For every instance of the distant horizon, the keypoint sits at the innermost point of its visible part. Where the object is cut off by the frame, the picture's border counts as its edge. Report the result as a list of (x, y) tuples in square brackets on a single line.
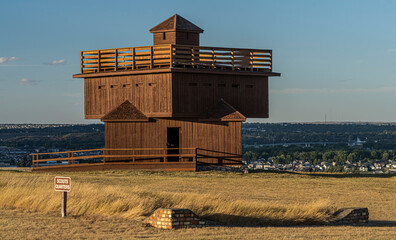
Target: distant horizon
[(328, 122)]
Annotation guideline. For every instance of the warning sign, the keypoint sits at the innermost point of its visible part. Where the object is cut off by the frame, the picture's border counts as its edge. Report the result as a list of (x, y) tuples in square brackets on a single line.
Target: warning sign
[(62, 184)]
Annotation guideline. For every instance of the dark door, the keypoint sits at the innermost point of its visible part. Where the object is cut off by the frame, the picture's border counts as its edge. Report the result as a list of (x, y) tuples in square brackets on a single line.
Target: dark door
[(173, 142)]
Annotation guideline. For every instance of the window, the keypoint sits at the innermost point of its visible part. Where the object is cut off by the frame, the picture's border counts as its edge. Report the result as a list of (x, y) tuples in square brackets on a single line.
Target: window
[(192, 84), (187, 35), (139, 84), (102, 87), (126, 85), (113, 86), (152, 84), (206, 84), (249, 86), (235, 85), (221, 85), (164, 36)]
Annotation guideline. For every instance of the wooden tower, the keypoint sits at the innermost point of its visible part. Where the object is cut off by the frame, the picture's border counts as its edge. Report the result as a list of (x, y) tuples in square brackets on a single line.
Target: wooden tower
[(175, 104)]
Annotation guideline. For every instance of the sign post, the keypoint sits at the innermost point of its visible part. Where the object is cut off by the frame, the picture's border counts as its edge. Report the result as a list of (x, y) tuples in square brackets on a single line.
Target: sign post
[(63, 184)]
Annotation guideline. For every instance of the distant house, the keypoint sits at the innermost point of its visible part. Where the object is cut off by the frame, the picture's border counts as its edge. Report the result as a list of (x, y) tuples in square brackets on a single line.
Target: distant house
[(364, 169)]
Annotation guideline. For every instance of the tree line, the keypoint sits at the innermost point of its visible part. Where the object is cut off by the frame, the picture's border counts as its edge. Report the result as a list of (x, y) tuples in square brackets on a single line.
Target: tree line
[(282, 155)]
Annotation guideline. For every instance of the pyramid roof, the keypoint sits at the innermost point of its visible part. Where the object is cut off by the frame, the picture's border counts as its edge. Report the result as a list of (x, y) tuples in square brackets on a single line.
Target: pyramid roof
[(176, 22), (125, 112), (223, 111)]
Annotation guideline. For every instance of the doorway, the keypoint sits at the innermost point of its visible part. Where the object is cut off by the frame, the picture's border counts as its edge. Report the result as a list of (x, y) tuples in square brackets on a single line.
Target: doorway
[(173, 142)]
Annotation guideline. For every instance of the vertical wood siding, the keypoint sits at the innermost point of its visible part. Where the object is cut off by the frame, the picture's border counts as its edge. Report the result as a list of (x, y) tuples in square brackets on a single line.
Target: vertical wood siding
[(150, 93), (195, 93), (214, 139)]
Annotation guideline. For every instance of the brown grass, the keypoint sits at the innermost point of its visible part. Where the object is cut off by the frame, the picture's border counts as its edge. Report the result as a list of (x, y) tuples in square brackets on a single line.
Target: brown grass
[(35, 192), (107, 198)]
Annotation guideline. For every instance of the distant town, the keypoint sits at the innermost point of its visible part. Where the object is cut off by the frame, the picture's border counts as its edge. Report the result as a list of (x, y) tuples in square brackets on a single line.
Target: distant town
[(305, 147)]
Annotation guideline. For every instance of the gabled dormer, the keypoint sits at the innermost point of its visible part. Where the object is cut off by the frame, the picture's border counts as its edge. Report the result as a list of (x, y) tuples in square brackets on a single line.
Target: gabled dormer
[(176, 30)]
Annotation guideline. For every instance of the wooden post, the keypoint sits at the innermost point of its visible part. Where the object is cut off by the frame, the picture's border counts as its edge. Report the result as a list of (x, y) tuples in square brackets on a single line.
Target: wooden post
[(151, 57), (251, 60), (68, 158), (116, 60), (72, 155), (64, 204), (271, 60), (213, 59), (232, 60), (171, 56), (195, 158), (81, 61), (133, 59), (98, 60)]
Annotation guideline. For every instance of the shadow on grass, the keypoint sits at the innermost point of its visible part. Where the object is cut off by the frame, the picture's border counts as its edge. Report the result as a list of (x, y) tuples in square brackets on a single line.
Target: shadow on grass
[(382, 223), (329, 175), (226, 220)]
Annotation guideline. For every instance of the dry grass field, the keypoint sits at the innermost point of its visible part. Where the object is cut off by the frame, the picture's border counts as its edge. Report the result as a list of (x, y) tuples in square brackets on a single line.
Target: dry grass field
[(253, 206)]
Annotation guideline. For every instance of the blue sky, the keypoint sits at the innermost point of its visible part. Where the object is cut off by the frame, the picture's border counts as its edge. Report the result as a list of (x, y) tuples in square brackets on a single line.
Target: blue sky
[(337, 58)]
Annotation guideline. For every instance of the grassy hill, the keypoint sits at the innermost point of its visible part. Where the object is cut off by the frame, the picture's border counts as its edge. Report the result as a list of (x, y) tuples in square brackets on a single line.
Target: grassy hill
[(273, 205)]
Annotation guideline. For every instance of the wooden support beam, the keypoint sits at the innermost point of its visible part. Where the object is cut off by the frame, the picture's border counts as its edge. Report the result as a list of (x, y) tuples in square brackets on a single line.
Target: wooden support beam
[(98, 60), (133, 59)]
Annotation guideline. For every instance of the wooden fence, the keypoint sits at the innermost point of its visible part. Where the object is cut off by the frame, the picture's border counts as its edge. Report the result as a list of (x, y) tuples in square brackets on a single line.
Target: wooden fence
[(169, 56), (134, 155)]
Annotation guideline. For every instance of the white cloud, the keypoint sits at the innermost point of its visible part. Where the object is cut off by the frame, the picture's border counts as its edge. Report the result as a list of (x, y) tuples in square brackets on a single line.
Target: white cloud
[(331, 91), (7, 59), (27, 82), (57, 62)]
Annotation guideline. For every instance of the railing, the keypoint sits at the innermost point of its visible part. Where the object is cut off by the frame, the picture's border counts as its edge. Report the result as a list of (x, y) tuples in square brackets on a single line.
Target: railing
[(106, 155), (173, 56)]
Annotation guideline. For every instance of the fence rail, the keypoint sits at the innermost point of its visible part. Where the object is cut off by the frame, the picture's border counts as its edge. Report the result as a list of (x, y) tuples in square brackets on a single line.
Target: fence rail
[(163, 155), (169, 56)]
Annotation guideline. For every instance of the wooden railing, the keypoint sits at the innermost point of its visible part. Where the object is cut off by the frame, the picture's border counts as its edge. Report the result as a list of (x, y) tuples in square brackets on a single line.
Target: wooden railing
[(173, 56), (135, 155)]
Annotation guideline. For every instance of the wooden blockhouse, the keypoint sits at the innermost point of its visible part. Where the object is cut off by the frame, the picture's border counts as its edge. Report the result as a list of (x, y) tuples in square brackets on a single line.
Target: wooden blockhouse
[(175, 104)]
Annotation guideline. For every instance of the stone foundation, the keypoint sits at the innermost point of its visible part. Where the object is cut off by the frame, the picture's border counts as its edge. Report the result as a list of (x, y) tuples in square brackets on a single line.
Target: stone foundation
[(350, 216), (174, 218)]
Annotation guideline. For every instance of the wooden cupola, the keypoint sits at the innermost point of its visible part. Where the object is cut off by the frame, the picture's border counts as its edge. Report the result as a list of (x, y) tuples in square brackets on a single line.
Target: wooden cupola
[(176, 30)]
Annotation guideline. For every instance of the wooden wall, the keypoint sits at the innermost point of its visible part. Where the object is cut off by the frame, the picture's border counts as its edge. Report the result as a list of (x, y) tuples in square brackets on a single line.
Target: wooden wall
[(150, 93), (177, 94), (194, 93), (176, 38), (215, 139)]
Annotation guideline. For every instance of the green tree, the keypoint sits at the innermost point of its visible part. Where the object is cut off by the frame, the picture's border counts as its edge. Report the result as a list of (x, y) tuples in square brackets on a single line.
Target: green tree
[(341, 156), (374, 155), (328, 156), (250, 156), (352, 157), (264, 155), (25, 162), (385, 156)]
